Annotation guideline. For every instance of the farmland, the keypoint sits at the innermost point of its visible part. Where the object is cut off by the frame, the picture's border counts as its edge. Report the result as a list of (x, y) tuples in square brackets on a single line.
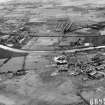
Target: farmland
[(52, 27)]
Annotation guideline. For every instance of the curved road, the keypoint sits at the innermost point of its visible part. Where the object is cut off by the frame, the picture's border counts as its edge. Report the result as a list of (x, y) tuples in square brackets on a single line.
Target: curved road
[(6, 48), (6, 52)]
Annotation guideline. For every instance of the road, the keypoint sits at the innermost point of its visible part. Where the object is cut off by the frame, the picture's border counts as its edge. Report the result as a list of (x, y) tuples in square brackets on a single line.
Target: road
[(14, 50)]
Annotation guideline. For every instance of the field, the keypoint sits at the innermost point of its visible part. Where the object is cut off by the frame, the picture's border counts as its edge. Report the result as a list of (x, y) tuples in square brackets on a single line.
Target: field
[(47, 26)]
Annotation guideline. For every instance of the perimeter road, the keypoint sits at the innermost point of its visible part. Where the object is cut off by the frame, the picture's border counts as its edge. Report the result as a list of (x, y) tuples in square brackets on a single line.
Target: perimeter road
[(42, 51)]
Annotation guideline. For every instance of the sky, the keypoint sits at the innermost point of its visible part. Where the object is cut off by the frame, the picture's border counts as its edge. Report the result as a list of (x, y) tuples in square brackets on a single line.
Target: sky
[(66, 2), (1, 1)]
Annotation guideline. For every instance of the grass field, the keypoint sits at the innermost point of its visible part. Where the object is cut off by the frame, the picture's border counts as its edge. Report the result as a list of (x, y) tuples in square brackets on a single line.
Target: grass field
[(38, 87)]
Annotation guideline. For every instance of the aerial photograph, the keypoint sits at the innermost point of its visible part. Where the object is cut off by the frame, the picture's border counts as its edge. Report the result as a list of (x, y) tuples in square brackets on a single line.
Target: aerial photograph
[(52, 52)]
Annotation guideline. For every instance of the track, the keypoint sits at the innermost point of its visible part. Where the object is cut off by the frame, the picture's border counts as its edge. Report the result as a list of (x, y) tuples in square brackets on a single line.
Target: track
[(16, 52)]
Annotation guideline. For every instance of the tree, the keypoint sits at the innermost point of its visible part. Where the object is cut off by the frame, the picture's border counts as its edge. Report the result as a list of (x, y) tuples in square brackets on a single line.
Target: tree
[(98, 59)]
